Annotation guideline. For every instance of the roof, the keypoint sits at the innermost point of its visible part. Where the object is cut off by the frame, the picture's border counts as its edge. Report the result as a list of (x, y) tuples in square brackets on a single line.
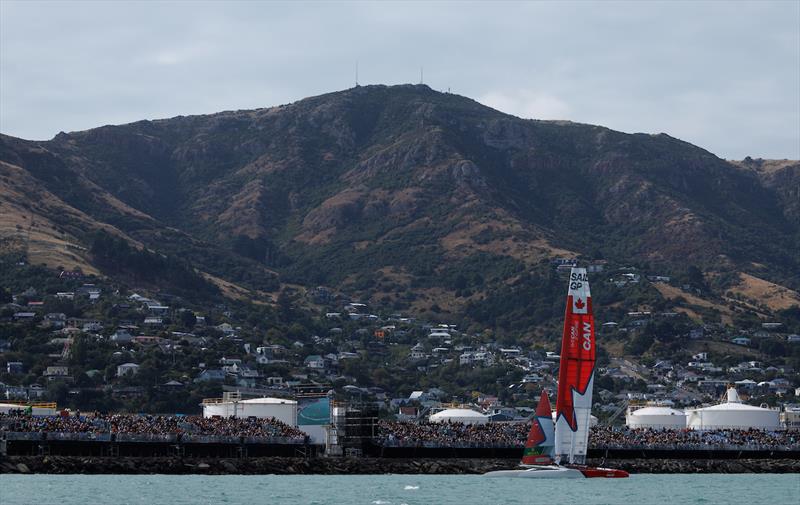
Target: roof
[(462, 413), (733, 406), (269, 401), (657, 411)]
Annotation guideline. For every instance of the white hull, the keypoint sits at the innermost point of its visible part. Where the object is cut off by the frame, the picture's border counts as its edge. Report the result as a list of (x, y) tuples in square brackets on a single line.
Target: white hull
[(539, 472)]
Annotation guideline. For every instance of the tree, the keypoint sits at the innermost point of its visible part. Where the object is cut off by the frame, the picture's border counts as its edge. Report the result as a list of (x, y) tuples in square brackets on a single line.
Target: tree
[(57, 391), (187, 319)]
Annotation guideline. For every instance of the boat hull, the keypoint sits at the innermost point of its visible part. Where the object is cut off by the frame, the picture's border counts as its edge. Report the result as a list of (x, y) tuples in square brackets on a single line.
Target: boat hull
[(603, 473), (560, 472), (544, 472)]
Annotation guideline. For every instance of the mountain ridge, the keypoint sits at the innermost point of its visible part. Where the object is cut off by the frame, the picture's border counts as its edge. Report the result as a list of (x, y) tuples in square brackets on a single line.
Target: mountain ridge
[(403, 186)]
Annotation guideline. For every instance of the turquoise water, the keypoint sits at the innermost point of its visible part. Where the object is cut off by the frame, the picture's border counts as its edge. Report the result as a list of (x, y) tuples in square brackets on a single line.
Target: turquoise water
[(708, 489)]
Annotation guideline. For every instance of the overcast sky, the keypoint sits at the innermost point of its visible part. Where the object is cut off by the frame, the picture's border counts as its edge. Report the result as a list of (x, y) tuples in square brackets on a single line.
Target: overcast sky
[(724, 76)]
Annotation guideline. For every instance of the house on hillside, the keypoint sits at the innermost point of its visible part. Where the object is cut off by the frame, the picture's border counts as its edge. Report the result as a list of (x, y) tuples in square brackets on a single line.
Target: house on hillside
[(56, 373), (157, 309), (121, 337), (210, 375), (14, 367), (56, 319), (226, 329), (314, 362), (13, 392), (127, 369), (92, 326), (418, 352)]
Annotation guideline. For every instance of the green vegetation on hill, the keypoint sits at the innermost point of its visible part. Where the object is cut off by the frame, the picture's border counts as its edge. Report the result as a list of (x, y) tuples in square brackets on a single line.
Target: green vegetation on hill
[(409, 190), (118, 259)]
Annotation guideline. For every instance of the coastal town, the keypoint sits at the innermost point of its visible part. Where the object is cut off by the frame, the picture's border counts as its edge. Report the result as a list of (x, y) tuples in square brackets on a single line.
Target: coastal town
[(86, 344), (399, 253)]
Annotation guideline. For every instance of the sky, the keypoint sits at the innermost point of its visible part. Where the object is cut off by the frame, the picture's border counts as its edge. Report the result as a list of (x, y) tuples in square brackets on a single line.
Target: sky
[(722, 75)]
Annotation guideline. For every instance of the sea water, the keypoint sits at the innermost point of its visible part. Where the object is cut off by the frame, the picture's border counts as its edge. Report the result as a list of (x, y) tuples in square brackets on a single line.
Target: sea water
[(705, 489)]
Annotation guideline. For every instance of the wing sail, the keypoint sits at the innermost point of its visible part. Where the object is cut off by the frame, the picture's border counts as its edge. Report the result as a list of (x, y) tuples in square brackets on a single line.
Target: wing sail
[(576, 372)]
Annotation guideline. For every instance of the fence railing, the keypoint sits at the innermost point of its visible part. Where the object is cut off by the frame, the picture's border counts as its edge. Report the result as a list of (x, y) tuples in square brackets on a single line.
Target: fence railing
[(449, 445), (15, 435), (79, 437), (631, 446), (146, 437), (149, 438), (699, 447)]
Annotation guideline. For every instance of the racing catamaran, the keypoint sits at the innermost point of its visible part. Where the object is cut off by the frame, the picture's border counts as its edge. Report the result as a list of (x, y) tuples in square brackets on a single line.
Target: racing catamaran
[(566, 457)]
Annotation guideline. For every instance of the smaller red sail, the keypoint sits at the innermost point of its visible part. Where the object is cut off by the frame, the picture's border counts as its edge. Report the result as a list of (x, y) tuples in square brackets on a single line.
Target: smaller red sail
[(538, 447)]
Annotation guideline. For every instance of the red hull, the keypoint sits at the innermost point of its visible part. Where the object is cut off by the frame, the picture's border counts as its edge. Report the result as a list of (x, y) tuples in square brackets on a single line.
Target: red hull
[(606, 473)]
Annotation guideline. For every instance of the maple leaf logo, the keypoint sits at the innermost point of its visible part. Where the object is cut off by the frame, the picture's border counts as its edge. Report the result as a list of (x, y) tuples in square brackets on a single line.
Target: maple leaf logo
[(579, 304)]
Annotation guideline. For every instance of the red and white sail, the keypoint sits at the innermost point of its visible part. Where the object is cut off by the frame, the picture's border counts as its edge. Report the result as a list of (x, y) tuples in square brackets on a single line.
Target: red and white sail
[(576, 373), (541, 439)]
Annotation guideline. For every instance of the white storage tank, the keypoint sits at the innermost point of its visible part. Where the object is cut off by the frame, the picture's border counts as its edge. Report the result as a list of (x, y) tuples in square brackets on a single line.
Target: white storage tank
[(656, 417), (733, 414), (465, 416), (280, 408)]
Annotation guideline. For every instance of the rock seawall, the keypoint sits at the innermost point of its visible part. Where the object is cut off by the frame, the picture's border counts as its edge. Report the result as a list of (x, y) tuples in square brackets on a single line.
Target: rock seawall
[(355, 466)]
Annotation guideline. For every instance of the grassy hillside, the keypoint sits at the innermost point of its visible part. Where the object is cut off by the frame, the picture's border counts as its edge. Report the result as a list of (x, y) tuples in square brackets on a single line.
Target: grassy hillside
[(412, 198)]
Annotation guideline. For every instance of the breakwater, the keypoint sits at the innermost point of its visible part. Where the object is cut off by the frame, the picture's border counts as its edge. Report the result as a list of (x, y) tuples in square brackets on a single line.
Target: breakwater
[(358, 466), (188, 447)]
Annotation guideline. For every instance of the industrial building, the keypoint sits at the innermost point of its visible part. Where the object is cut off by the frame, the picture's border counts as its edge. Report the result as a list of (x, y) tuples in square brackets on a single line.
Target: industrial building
[(733, 414)]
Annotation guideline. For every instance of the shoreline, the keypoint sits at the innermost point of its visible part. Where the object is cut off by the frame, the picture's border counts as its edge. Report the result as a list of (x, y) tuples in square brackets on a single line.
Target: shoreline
[(66, 465)]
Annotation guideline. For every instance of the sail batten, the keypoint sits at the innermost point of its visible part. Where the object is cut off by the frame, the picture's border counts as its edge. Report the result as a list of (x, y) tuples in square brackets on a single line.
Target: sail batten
[(576, 372)]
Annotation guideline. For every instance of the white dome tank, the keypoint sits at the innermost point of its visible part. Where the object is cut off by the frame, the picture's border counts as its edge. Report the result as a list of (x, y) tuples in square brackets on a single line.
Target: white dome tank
[(733, 414), (656, 417), (465, 416)]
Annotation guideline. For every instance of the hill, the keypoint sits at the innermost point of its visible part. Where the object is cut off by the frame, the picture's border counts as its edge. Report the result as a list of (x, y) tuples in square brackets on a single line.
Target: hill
[(414, 199)]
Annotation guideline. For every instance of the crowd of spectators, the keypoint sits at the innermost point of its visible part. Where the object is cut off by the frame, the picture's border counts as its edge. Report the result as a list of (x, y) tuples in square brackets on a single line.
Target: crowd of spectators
[(132, 424), (410, 433), (515, 434), (624, 437), (395, 433)]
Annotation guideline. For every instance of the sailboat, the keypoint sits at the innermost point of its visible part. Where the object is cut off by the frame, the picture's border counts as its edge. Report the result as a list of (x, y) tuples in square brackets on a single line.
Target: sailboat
[(563, 455), (537, 458)]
